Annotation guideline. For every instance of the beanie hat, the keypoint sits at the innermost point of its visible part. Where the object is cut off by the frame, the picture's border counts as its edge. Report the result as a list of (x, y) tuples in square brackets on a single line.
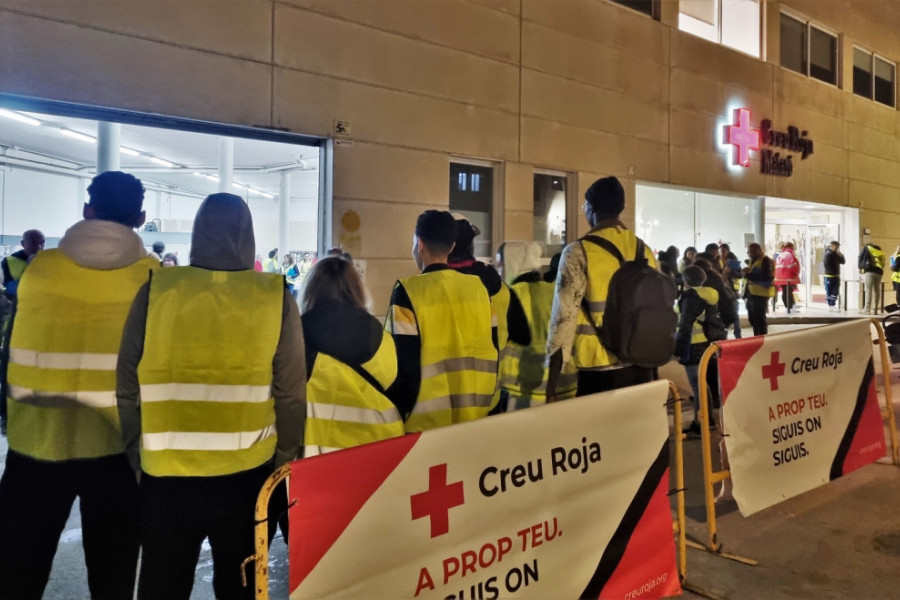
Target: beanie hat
[(693, 276), (606, 197), (465, 236)]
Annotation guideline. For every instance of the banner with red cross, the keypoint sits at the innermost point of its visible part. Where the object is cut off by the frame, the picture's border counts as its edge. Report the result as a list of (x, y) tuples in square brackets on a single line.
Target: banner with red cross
[(799, 410), (565, 500)]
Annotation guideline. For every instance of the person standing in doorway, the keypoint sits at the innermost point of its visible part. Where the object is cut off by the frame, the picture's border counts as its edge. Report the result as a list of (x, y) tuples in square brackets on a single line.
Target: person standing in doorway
[(787, 274), (895, 275), (760, 277), (832, 262), (64, 434), (12, 268), (871, 265)]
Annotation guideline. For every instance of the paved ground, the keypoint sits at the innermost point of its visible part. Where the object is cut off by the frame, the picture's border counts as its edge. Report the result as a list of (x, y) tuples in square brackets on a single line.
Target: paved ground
[(838, 541)]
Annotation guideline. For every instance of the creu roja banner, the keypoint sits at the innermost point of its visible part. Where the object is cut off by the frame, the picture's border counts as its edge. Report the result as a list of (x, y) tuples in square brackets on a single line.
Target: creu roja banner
[(800, 409), (565, 500)]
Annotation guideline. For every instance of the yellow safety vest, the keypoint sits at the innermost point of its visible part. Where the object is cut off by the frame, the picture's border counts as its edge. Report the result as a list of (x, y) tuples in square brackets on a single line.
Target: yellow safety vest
[(500, 308), (895, 276), (458, 357), (206, 371), (588, 352), (711, 297), (877, 257), (523, 369), (343, 409), (63, 353), (757, 289), (16, 266)]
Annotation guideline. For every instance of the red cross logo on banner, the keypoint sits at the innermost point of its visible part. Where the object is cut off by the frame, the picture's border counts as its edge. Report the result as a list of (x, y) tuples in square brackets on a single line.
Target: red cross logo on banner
[(773, 370), (438, 500), (742, 137)]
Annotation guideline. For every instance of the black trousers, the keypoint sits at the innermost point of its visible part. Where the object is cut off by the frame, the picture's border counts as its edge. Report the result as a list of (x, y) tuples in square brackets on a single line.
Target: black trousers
[(594, 382), (178, 513), (35, 500), (756, 314), (787, 295)]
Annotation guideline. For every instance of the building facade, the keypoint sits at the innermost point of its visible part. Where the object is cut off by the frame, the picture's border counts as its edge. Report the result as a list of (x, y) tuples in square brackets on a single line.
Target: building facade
[(783, 127)]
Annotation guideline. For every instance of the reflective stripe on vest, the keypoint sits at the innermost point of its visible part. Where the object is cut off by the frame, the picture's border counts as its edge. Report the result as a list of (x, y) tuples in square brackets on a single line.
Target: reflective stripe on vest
[(523, 369), (458, 357), (588, 352), (206, 371), (757, 289), (63, 352), (343, 409)]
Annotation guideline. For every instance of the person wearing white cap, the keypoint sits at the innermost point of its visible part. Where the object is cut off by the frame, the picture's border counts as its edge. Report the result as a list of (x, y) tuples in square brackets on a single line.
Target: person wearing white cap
[(523, 371)]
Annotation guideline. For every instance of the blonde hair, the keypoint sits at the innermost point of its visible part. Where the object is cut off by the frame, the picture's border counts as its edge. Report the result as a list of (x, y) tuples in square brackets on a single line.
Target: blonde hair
[(333, 278)]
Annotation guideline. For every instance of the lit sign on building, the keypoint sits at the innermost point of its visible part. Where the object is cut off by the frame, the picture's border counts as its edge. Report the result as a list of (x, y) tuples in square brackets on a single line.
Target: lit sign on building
[(744, 139)]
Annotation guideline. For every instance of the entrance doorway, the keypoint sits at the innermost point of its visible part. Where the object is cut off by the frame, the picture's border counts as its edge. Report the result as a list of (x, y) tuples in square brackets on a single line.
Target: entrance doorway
[(811, 227)]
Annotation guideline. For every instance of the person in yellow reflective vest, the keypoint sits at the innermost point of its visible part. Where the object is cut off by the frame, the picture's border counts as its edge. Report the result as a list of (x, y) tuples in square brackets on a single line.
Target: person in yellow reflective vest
[(350, 362), (12, 268), (441, 321), (511, 323), (523, 370), (211, 388), (585, 270), (895, 275), (759, 277), (696, 304), (871, 264), (64, 438)]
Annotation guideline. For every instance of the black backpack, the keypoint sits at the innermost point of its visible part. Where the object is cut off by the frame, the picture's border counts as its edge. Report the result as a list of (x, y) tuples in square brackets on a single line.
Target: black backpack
[(639, 321), (713, 326)]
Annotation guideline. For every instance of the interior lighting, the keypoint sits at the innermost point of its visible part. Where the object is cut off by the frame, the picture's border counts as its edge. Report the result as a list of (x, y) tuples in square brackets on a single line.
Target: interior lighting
[(161, 161), (128, 151), (212, 177), (262, 193), (19, 117), (78, 135), (240, 186)]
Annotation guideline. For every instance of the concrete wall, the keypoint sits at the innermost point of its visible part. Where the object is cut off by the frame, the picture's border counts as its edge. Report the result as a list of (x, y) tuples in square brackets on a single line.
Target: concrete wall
[(586, 87)]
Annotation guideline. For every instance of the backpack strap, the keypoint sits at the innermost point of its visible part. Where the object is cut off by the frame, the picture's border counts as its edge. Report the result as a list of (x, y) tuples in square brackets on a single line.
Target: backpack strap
[(617, 254), (606, 245)]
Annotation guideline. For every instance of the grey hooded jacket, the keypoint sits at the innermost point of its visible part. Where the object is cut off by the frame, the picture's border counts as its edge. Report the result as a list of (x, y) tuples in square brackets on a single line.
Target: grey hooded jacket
[(222, 240)]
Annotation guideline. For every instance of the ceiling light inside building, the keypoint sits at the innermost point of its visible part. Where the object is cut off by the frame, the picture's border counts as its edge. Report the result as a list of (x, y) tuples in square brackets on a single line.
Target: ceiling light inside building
[(83, 137), (161, 161), (19, 117), (128, 151)]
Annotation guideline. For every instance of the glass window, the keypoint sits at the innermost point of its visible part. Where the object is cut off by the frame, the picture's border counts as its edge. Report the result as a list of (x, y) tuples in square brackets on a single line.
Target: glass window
[(884, 81), (550, 212), (740, 25), (822, 56), (648, 7), (732, 23), (475, 203), (793, 44), (862, 73)]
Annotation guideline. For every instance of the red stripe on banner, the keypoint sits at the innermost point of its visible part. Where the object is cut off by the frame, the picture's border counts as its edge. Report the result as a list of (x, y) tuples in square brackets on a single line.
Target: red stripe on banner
[(733, 357), (329, 490), (647, 568), (867, 443)]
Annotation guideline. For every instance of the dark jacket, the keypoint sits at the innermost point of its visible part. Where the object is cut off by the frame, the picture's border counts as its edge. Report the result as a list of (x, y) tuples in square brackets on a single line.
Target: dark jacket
[(866, 263), (832, 262), (343, 331), (691, 305)]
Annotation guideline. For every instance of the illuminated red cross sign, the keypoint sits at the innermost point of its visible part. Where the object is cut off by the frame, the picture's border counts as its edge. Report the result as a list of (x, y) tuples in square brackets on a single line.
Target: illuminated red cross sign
[(438, 500), (773, 371), (742, 137)]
